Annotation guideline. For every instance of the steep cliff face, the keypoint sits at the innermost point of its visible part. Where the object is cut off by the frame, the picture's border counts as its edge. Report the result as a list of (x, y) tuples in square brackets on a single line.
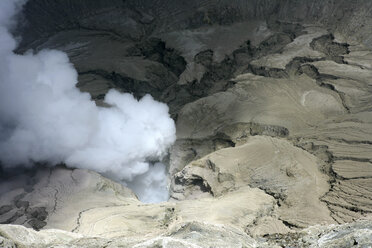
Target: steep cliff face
[(272, 101), (144, 46), (139, 19)]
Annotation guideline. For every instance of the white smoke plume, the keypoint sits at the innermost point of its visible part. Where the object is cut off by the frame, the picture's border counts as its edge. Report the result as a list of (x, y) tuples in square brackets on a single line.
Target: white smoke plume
[(45, 118)]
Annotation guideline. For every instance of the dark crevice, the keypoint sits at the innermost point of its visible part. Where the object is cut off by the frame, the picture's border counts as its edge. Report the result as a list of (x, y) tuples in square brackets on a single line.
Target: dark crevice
[(352, 159), (195, 180), (203, 185), (278, 196), (341, 140), (78, 220), (290, 225), (355, 209), (296, 66), (266, 71), (55, 200), (312, 71), (273, 44), (155, 49), (330, 48), (351, 142), (352, 178)]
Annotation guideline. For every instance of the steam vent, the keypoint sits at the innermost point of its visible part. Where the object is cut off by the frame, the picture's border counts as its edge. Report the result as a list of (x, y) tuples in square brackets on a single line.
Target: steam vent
[(185, 123)]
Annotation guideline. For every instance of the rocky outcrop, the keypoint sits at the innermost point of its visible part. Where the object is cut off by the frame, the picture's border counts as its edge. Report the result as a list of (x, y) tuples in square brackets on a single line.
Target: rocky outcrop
[(275, 166), (195, 234)]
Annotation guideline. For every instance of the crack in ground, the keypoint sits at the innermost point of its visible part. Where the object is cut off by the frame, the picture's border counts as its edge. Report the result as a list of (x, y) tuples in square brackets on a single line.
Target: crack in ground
[(55, 200), (78, 220)]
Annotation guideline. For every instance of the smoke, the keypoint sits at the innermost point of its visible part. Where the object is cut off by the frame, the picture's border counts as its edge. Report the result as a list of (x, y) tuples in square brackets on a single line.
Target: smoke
[(45, 118)]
